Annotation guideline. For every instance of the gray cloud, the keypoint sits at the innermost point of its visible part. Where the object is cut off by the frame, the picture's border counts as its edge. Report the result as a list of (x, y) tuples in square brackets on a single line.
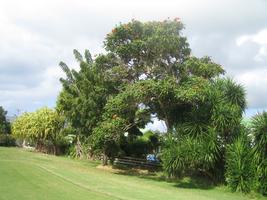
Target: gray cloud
[(36, 35)]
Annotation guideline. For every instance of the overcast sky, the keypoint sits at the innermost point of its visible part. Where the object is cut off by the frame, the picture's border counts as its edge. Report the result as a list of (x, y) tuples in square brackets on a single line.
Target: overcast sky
[(36, 34)]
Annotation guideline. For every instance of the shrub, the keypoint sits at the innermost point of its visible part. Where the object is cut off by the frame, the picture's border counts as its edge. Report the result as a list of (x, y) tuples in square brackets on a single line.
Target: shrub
[(137, 148), (262, 177), (7, 140), (4, 123), (105, 139), (259, 132), (140, 146), (42, 127), (240, 165), (186, 155)]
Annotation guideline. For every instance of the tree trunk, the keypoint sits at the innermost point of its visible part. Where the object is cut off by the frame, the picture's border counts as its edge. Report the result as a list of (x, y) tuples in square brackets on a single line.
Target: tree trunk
[(54, 150), (105, 160), (168, 125), (79, 153), (24, 143), (166, 120)]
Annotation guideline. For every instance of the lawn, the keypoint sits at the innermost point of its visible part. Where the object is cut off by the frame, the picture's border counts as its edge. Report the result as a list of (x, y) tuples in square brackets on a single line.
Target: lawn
[(33, 176)]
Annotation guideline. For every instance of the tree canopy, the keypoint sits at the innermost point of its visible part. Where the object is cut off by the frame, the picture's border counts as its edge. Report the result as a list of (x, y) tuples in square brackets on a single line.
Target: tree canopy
[(149, 70)]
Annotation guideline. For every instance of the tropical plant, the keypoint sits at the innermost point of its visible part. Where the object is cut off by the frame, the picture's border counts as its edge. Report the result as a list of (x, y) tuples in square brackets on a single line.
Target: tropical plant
[(259, 132), (240, 164), (84, 95), (186, 154), (42, 127)]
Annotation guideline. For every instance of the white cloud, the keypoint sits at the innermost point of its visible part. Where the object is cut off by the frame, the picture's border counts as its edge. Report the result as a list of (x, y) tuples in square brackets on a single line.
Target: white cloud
[(260, 39), (255, 82)]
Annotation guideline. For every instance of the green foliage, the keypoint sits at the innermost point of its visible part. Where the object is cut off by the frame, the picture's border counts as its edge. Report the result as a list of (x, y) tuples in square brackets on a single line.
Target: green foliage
[(165, 98), (140, 146), (148, 70), (4, 124), (203, 67), (7, 140), (240, 165), (106, 136), (259, 132), (232, 92), (42, 127), (155, 49), (262, 177), (84, 94), (153, 138), (204, 130), (228, 101), (259, 129), (184, 154)]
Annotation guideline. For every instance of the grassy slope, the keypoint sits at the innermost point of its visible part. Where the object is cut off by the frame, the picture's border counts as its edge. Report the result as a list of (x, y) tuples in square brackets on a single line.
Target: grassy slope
[(30, 176)]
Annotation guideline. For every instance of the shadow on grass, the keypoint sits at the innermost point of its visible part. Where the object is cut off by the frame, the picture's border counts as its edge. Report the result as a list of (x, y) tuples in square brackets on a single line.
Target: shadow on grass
[(196, 182)]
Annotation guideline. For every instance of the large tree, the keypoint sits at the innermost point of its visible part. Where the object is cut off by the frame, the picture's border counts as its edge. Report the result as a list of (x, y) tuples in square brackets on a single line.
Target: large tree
[(184, 91), (149, 70), (159, 52)]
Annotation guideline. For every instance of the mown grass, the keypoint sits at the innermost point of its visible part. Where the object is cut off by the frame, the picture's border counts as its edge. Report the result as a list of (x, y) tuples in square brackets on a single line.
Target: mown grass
[(31, 176)]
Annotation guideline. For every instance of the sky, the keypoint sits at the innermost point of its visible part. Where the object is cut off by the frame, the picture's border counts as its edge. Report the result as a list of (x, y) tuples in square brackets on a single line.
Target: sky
[(35, 35)]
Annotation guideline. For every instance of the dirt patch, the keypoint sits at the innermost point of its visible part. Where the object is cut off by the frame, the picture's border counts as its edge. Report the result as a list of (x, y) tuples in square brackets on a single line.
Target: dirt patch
[(125, 171), (108, 168)]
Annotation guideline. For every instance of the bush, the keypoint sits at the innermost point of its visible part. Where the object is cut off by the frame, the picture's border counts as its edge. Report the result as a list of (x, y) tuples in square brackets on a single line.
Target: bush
[(4, 123), (140, 146), (137, 148), (7, 140), (186, 155), (42, 127), (259, 133), (240, 165), (262, 177)]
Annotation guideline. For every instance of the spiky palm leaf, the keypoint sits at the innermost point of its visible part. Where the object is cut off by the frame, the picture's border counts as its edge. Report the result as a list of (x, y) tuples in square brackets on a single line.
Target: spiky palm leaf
[(259, 131), (78, 55), (88, 56), (240, 168)]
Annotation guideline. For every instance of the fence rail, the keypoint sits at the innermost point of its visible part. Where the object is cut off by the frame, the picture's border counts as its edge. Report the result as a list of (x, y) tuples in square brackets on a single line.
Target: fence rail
[(137, 162)]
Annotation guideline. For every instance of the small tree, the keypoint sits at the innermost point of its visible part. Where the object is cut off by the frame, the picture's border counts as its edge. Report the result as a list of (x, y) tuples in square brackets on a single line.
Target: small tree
[(84, 95), (105, 139), (42, 127), (185, 154), (240, 165), (4, 124), (259, 131)]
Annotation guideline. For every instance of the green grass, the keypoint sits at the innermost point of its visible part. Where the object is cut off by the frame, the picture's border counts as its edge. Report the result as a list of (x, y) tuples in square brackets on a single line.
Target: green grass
[(33, 176)]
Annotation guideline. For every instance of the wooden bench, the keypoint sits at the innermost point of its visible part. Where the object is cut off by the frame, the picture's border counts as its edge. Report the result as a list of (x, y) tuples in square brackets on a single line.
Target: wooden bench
[(136, 162)]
